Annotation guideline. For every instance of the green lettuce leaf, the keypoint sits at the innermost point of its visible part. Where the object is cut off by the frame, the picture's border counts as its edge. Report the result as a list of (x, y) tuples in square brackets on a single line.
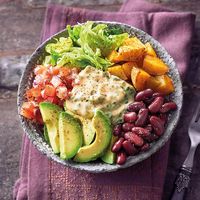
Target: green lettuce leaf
[(62, 45), (56, 50), (97, 37), (87, 44), (74, 33), (77, 57)]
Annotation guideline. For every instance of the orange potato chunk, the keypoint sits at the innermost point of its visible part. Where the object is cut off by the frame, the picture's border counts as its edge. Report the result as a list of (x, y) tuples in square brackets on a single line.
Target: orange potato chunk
[(162, 84), (154, 65), (113, 56), (153, 83), (149, 50), (132, 41), (118, 71), (131, 50), (139, 78), (127, 67)]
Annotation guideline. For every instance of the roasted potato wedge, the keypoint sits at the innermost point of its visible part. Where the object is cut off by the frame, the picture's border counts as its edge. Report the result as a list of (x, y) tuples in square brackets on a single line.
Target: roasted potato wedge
[(139, 78), (154, 66), (132, 41), (162, 84), (149, 50), (131, 50), (113, 56), (127, 67), (118, 71)]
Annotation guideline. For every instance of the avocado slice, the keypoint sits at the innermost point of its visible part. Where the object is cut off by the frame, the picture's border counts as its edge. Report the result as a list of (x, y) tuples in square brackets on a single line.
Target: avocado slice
[(71, 135), (110, 157), (102, 126), (88, 130), (46, 136), (50, 113)]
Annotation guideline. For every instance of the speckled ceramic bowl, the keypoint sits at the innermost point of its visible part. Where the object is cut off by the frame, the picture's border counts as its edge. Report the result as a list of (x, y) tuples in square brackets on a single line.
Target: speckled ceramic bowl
[(36, 136)]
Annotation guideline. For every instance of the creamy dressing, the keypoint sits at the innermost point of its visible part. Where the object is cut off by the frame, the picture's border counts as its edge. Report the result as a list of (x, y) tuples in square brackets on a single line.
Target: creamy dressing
[(99, 89)]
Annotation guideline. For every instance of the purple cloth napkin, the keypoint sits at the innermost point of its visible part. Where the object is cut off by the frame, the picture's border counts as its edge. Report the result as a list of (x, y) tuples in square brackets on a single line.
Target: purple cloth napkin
[(41, 178)]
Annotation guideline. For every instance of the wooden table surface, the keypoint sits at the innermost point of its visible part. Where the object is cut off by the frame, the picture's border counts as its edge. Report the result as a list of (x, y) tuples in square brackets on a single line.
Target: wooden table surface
[(21, 23)]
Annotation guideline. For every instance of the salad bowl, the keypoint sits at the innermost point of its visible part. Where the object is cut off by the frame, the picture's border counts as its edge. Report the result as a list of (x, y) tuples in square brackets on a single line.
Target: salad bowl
[(34, 131)]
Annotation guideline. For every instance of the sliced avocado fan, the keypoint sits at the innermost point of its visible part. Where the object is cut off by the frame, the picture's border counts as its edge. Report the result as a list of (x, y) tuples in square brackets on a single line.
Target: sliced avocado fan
[(110, 157), (88, 130), (102, 126), (71, 135), (50, 113), (46, 136)]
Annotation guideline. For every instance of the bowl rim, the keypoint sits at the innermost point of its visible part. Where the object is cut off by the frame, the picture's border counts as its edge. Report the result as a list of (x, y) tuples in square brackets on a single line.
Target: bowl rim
[(102, 167)]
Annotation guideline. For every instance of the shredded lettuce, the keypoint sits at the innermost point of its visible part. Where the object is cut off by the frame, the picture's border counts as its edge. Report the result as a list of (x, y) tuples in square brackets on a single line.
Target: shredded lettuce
[(62, 45), (87, 44), (97, 37), (56, 50), (77, 57), (74, 33)]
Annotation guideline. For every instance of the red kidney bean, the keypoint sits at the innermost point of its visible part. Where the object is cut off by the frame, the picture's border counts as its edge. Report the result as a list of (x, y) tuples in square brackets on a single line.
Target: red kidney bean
[(149, 101), (136, 106), (145, 147), (163, 117), (127, 126), (128, 147), (156, 104), (140, 96), (151, 137), (117, 145), (130, 117), (141, 131), (157, 94), (122, 134), (157, 125), (134, 138), (168, 107), (121, 158), (117, 129), (149, 127), (142, 117)]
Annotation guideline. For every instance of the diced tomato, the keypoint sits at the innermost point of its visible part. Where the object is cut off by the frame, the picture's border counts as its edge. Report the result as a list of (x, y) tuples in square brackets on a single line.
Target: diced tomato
[(39, 99), (56, 81), (27, 110), (47, 75), (50, 90), (54, 70), (54, 99), (61, 102), (44, 96), (61, 92), (40, 69), (39, 81), (27, 114), (33, 92), (29, 105), (38, 116), (47, 82), (69, 81), (64, 71), (51, 84)]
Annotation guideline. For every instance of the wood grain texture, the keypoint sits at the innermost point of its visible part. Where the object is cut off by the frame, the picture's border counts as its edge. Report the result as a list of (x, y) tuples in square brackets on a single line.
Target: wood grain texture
[(10, 142)]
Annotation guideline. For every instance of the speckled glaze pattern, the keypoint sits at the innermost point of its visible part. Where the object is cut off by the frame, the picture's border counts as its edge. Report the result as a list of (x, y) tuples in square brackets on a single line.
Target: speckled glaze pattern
[(34, 131)]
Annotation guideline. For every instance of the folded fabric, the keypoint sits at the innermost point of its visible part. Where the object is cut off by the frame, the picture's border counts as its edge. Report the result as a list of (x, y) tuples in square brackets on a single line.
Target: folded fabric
[(41, 178)]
